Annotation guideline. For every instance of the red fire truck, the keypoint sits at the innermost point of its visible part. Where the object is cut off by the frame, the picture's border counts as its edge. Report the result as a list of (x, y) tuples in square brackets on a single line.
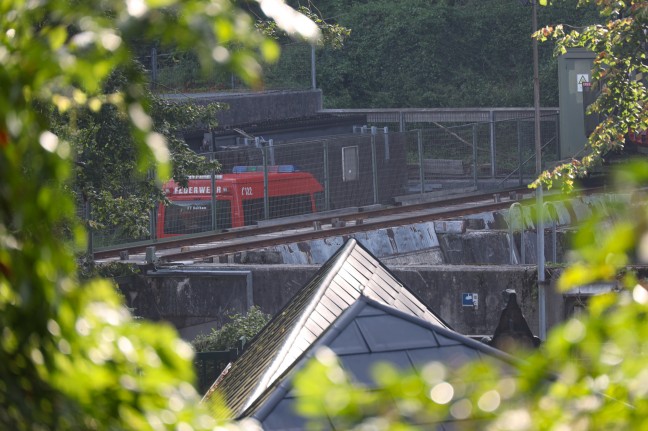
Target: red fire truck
[(238, 197)]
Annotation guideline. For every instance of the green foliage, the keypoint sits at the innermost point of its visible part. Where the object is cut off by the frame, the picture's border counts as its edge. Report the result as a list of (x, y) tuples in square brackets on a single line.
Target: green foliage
[(418, 53), (590, 374), (620, 47), (333, 35), (108, 174), (241, 326), (108, 270), (71, 356)]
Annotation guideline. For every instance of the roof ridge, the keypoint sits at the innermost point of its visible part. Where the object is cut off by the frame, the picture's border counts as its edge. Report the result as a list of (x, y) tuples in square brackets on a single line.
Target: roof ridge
[(352, 274), (275, 365)]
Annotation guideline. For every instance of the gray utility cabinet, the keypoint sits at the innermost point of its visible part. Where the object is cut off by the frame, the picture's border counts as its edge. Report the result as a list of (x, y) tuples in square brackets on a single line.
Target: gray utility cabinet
[(574, 78)]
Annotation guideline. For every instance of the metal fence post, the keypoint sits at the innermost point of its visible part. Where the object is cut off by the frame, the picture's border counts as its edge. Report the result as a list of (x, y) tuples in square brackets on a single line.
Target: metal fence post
[(474, 153), (213, 200), (491, 120), (266, 198), (374, 165), (86, 214), (313, 82), (154, 68), (557, 140), (327, 184), (270, 143), (152, 212), (554, 240), (519, 145), (419, 140), (386, 136), (153, 223)]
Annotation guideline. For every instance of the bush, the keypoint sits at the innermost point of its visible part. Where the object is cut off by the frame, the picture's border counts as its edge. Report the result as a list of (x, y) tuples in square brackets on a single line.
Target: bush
[(243, 326)]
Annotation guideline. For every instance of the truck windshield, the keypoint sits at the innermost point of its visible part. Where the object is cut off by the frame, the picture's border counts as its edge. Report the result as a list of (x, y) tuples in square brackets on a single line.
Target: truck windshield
[(185, 217)]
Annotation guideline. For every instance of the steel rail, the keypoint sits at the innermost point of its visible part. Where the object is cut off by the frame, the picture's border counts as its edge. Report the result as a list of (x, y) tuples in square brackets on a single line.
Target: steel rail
[(410, 214), (212, 250), (252, 231)]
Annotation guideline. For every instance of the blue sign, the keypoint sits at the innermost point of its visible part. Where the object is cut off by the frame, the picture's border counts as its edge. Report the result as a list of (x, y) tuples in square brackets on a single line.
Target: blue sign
[(469, 299)]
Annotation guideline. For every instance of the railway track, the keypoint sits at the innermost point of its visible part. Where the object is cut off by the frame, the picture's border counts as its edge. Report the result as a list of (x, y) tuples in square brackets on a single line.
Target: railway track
[(317, 226)]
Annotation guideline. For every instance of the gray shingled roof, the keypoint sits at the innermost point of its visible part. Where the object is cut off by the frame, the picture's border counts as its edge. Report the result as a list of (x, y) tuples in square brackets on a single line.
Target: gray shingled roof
[(367, 333), (351, 273)]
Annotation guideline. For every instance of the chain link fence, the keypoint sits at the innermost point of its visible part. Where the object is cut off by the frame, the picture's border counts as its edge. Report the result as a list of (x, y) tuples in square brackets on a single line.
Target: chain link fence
[(266, 180), (179, 71), (482, 156)]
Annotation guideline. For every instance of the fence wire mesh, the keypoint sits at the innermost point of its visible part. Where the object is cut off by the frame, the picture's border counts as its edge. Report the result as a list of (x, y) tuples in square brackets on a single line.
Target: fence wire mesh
[(180, 71), (515, 146), (266, 180)]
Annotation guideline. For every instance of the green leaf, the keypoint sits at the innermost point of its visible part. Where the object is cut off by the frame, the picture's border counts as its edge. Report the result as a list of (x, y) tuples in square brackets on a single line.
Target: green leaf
[(57, 37), (160, 3), (270, 51)]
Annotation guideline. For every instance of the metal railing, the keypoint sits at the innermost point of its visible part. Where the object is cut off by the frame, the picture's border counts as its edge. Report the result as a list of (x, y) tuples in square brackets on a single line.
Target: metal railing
[(376, 166)]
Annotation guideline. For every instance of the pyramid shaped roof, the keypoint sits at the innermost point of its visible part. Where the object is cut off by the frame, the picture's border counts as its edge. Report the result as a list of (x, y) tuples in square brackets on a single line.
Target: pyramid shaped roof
[(348, 275)]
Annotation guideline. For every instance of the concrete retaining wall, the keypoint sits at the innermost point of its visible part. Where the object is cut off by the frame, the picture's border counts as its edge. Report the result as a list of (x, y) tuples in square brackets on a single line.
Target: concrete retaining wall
[(195, 300), (495, 238), (435, 260), (263, 106)]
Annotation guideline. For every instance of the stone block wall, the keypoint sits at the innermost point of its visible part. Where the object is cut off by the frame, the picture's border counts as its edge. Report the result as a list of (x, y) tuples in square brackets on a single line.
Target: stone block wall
[(196, 302)]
